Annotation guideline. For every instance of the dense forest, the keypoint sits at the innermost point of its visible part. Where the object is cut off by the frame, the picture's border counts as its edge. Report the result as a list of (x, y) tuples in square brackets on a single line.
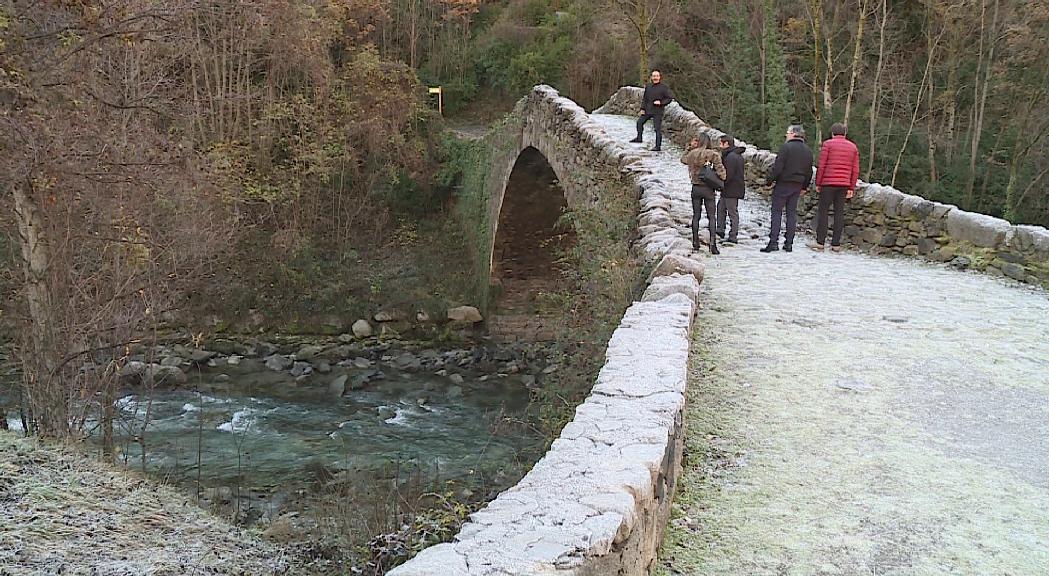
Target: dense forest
[(947, 99), (157, 155)]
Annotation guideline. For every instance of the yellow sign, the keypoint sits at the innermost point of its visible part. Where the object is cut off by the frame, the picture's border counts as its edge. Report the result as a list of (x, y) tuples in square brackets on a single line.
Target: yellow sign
[(440, 97)]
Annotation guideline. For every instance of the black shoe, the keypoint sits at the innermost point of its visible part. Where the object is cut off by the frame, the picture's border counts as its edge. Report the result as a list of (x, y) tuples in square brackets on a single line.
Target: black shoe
[(657, 149), (714, 249), (788, 247), (721, 235), (770, 248), (731, 241), (636, 141)]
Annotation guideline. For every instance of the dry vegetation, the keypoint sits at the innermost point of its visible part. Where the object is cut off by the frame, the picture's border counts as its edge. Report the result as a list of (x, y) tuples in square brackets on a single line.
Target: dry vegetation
[(65, 513)]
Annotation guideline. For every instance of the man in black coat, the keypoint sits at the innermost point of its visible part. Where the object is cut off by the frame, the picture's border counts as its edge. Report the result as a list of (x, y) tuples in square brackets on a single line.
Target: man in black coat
[(657, 97), (792, 174), (735, 188)]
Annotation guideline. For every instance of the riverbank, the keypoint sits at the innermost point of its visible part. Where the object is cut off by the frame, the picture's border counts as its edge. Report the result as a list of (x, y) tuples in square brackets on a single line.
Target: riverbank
[(66, 513), (348, 455)]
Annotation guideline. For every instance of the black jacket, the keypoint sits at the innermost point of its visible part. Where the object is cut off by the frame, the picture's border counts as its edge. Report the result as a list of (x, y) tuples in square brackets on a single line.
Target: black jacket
[(793, 163), (655, 92), (735, 187)]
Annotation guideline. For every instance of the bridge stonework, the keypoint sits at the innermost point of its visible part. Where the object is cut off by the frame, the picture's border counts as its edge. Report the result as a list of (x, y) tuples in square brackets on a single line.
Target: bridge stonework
[(883, 220), (598, 501)]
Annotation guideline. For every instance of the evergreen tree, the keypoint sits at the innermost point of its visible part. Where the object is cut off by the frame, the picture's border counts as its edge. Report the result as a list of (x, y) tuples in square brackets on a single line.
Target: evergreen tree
[(743, 110), (777, 105)]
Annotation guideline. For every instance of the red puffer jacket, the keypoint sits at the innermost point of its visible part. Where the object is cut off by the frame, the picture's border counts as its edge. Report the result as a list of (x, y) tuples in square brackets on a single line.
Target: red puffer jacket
[(839, 163)]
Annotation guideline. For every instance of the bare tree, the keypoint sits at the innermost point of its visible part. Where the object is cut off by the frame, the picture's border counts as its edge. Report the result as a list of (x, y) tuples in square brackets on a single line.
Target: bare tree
[(642, 16)]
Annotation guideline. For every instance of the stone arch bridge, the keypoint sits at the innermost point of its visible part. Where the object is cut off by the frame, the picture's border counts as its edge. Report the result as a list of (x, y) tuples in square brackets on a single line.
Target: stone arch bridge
[(884, 410)]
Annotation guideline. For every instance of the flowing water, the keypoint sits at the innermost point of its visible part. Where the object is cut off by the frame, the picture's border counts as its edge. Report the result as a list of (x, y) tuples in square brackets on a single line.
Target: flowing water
[(255, 430)]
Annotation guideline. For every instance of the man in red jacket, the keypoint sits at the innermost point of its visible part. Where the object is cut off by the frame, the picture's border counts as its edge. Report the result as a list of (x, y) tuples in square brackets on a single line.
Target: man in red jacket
[(836, 177)]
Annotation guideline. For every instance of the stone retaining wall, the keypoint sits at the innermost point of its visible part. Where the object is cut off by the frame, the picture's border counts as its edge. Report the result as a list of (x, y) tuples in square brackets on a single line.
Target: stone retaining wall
[(882, 220), (597, 503)]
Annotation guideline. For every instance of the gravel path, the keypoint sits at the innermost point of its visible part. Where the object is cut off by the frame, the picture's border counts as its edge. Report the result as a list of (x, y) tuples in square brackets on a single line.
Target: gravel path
[(856, 415)]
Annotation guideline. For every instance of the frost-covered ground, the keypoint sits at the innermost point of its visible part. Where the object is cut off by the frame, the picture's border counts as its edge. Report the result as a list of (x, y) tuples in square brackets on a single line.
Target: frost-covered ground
[(62, 512), (856, 415)]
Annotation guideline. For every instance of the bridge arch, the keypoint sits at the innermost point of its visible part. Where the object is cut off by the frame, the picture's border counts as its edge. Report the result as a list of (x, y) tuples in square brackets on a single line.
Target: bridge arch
[(530, 235)]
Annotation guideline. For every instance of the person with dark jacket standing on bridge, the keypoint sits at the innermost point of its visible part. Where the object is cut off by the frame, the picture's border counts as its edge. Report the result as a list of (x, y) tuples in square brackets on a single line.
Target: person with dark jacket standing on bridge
[(836, 176), (700, 155), (657, 97), (735, 188), (792, 175)]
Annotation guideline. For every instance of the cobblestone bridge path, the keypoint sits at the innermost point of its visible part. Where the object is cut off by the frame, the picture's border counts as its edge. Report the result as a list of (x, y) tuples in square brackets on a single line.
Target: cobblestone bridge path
[(858, 415)]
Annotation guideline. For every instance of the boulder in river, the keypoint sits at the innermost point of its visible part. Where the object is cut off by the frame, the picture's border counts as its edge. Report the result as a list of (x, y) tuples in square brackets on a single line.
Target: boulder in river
[(201, 356), (308, 352), (362, 329), (338, 386), (278, 362), (467, 314), (165, 375)]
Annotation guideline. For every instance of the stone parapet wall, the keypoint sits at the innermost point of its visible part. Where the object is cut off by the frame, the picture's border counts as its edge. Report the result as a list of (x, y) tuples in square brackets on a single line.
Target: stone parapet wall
[(882, 220), (597, 503)]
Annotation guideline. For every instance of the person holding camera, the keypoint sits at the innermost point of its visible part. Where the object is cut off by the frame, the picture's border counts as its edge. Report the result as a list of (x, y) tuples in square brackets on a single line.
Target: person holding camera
[(707, 174)]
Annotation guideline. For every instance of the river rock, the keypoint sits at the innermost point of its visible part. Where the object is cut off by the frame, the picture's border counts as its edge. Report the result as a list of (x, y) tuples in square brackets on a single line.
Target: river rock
[(457, 378), (361, 362), (389, 316), (338, 386), (132, 369), (322, 367), (408, 361), (234, 360), (346, 338), (361, 328), (265, 349), (529, 381), (308, 352), (201, 356), (223, 378), (278, 362), (467, 314), (422, 317), (171, 361), (166, 375), (301, 368), (960, 262)]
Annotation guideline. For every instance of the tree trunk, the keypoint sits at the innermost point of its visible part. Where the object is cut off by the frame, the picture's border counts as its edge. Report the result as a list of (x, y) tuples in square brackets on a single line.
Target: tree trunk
[(857, 48), (47, 402), (815, 20), (876, 92), (917, 108), (929, 113), (974, 148)]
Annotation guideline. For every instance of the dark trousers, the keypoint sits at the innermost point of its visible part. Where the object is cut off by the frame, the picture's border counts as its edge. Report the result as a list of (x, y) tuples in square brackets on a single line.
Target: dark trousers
[(702, 197), (728, 207), (831, 195), (657, 124), (784, 196)]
